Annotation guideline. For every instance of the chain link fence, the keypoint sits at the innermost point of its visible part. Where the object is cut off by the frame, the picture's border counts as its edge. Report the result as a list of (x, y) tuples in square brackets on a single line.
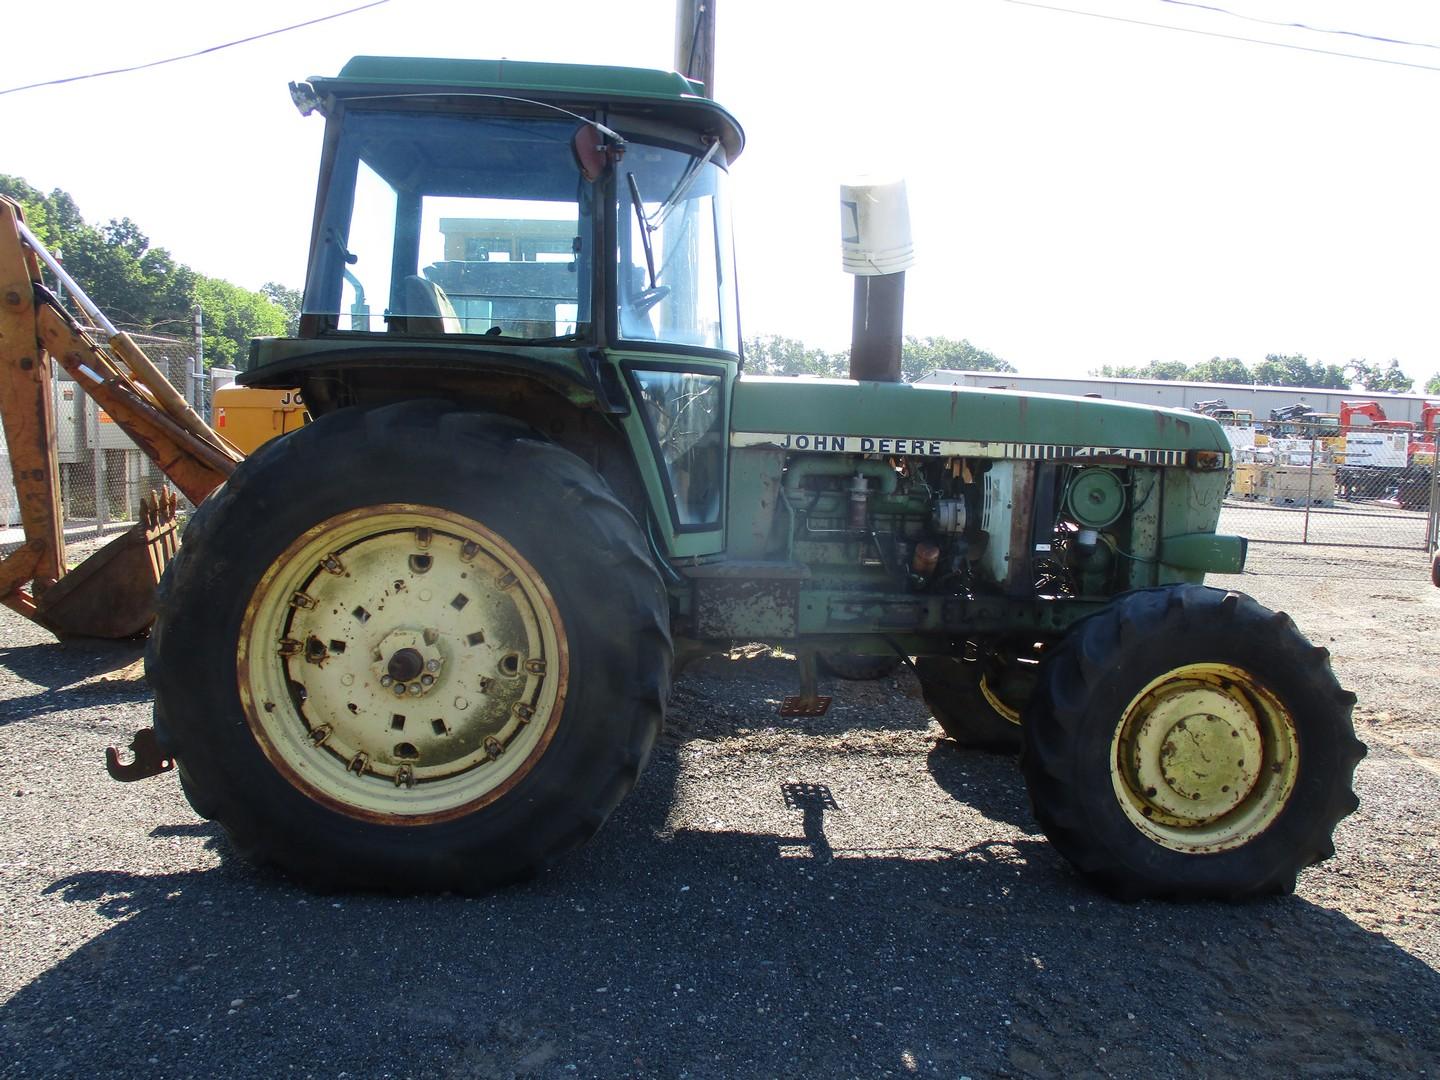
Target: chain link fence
[(1309, 483), (1294, 483), (103, 475)]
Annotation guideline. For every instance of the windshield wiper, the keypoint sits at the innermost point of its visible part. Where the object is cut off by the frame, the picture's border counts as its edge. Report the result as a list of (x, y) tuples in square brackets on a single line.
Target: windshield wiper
[(645, 227), (687, 181), (677, 194)]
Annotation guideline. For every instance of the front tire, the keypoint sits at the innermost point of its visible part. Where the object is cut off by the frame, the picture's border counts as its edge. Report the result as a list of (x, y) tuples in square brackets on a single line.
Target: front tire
[(1188, 742), (411, 648)]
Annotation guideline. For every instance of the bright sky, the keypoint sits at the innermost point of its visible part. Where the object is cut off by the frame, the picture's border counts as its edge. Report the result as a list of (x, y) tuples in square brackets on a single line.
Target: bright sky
[(1082, 190)]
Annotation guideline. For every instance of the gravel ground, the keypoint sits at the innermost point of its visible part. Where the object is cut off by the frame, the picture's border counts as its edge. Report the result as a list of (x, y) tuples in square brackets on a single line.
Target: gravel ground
[(922, 926)]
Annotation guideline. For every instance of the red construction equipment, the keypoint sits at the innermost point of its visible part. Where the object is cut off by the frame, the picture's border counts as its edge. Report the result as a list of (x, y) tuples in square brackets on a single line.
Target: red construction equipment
[(1429, 427), (1370, 415)]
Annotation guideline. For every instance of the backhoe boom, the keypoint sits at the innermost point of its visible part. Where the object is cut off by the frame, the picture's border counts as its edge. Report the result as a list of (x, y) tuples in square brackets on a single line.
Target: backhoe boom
[(111, 594)]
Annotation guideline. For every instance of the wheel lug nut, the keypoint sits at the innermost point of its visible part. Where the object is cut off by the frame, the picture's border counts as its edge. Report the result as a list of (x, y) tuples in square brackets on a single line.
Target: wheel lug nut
[(399, 689), (432, 665), (414, 688), (386, 680), (427, 680)]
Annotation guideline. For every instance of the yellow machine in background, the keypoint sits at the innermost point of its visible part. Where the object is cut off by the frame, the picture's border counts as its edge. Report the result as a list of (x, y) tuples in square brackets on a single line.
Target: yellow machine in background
[(247, 418)]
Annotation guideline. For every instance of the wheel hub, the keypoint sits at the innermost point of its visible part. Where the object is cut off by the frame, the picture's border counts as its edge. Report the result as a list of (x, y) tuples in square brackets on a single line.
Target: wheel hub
[(410, 663), (405, 664), (1204, 758), (1197, 754)]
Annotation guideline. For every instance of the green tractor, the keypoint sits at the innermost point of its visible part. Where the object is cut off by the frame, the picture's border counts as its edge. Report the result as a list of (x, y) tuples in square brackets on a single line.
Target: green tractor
[(425, 642)]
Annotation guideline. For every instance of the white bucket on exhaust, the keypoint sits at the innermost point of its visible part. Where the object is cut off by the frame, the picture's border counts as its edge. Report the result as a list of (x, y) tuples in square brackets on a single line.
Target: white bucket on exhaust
[(875, 227)]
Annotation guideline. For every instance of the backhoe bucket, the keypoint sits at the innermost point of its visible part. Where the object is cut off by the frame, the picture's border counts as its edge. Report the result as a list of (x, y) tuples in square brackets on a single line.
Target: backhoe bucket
[(112, 593)]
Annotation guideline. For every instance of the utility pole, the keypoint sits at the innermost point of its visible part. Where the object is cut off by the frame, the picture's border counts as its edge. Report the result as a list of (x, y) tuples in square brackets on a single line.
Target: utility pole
[(197, 362), (695, 42)]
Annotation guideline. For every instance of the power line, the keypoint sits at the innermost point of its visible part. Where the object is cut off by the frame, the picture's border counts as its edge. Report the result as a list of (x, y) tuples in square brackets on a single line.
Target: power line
[(198, 52), (1300, 25), (1225, 37)]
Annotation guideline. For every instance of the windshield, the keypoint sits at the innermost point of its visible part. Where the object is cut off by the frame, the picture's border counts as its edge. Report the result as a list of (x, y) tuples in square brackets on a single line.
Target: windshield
[(676, 281), (451, 224)]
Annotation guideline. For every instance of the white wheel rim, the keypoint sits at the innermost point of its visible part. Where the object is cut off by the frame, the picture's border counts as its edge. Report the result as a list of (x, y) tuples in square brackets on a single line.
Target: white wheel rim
[(402, 664)]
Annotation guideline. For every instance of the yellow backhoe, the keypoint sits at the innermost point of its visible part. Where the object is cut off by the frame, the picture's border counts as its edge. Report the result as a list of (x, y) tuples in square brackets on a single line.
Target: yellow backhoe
[(111, 594)]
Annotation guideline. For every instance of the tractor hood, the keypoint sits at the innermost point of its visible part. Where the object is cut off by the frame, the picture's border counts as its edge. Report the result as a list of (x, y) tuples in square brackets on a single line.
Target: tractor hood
[(844, 416)]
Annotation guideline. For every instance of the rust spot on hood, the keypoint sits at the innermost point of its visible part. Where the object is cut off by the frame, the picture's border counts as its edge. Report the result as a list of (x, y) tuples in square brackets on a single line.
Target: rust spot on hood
[(1161, 419)]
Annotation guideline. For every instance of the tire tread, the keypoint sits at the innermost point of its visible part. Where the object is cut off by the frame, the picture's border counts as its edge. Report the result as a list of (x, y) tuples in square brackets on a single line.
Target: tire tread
[(1058, 724), (479, 445)]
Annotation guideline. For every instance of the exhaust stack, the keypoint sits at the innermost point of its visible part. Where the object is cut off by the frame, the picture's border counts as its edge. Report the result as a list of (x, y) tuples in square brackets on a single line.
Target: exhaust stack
[(876, 248)]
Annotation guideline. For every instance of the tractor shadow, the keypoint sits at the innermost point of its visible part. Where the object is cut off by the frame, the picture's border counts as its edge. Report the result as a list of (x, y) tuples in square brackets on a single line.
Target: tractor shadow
[(717, 954), (718, 698), (74, 674), (55, 664), (666, 948), (989, 782)]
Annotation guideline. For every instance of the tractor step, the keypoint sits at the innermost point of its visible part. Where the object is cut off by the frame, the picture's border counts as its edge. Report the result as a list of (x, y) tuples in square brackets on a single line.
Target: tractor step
[(808, 702), (803, 705)]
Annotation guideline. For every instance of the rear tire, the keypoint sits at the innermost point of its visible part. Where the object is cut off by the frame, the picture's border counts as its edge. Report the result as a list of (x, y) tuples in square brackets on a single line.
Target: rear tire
[(858, 667), (380, 668), (1187, 742), (962, 696)]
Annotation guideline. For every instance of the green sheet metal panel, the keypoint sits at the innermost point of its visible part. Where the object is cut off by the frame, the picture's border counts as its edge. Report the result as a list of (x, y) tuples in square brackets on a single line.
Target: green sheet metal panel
[(518, 74), (900, 418)]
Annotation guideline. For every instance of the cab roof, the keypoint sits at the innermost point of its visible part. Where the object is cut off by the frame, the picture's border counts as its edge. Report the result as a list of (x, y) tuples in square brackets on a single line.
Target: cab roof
[(664, 92)]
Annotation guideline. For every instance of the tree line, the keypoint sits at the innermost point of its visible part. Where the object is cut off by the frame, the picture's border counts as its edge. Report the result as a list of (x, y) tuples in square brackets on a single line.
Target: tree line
[(1277, 370), (143, 289), (773, 354)]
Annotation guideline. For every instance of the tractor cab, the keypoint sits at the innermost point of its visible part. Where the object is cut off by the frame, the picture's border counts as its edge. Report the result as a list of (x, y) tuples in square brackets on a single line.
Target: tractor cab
[(456, 205), (548, 240)]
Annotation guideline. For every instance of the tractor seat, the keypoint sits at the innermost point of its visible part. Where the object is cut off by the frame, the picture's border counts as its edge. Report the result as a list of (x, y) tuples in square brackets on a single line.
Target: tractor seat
[(424, 309)]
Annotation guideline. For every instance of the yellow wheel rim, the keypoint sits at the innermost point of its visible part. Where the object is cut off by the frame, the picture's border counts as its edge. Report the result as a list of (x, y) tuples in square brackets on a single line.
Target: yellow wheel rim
[(1013, 715), (1204, 759), (402, 664)]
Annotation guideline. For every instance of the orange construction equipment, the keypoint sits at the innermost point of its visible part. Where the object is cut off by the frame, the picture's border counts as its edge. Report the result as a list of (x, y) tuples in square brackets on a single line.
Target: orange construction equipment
[(1371, 415), (1429, 428), (249, 417), (110, 594)]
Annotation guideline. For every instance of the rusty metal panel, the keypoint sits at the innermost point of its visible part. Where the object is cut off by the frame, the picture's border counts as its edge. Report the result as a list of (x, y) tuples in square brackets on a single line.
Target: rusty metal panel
[(749, 608), (1021, 579), (754, 502), (25, 400)]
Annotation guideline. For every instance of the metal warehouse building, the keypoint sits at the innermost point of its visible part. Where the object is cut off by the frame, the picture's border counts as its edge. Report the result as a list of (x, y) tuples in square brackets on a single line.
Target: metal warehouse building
[(1182, 395)]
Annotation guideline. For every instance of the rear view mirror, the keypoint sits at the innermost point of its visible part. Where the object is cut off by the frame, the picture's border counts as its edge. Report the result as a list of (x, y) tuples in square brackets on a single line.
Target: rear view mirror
[(593, 154)]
